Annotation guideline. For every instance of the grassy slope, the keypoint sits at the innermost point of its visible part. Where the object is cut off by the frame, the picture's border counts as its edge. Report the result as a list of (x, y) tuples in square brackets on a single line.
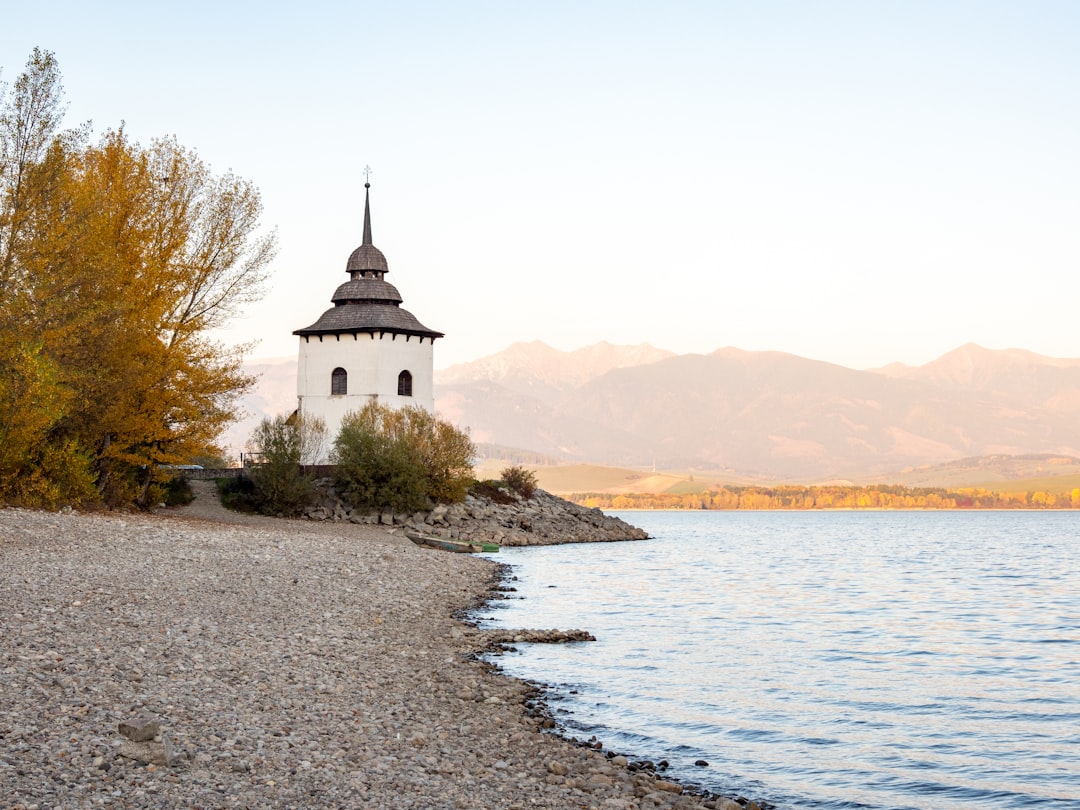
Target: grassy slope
[(1057, 484), (579, 478)]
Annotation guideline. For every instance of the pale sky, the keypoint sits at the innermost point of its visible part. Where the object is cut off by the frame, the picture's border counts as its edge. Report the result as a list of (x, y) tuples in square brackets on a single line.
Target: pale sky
[(858, 182)]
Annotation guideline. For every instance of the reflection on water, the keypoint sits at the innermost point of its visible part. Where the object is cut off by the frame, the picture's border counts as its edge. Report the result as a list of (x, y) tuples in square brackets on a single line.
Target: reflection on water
[(824, 659)]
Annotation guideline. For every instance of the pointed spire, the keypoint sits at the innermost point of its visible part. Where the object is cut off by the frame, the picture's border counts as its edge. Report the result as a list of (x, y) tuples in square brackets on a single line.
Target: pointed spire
[(366, 259), (367, 214)]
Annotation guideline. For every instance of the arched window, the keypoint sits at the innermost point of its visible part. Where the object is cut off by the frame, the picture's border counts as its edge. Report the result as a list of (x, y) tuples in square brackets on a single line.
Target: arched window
[(404, 384), (339, 381)]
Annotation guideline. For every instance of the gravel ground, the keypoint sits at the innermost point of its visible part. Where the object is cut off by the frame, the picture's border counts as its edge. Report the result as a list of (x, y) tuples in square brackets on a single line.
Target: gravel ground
[(289, 664)]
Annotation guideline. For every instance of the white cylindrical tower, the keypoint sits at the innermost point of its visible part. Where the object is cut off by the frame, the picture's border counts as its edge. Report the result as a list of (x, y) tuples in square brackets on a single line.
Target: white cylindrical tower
[(366, 346)]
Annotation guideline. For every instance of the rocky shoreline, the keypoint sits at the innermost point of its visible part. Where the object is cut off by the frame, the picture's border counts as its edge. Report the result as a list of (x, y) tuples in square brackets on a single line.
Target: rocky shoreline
[(543, 519), (289, 664)]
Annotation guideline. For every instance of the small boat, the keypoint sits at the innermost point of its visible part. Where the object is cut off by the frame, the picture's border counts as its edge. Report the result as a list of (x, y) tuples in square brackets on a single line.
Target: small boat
[(460, 546)]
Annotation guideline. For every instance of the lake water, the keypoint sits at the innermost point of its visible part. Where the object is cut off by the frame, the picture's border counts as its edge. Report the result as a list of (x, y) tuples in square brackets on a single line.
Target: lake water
[(822, 659)]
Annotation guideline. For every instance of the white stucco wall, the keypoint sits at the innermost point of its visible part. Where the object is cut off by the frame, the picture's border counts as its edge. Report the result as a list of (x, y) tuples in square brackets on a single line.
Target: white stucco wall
[(373, 363)]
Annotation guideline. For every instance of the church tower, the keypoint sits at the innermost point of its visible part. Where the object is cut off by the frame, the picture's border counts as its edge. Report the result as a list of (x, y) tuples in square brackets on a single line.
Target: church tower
[(365, 347)]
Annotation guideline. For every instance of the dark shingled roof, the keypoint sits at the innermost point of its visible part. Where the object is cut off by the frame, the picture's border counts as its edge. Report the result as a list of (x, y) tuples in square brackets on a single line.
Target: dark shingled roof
[(367, 257), (373, 290), (370, 318), (366, 303)]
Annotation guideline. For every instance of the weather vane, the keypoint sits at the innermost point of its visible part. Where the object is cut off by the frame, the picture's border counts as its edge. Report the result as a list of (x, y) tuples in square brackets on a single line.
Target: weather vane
[(367, 174)]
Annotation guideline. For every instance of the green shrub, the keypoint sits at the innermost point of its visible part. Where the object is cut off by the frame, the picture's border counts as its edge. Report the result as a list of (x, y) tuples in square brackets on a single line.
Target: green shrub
[(281, 487), (401, 459), (177, 492), (494, 491), (374, 471), (237, 493), (520, 480)]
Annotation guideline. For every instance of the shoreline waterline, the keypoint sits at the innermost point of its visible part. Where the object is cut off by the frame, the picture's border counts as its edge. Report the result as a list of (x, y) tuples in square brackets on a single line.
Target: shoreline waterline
[(549, 696), (819, 659)]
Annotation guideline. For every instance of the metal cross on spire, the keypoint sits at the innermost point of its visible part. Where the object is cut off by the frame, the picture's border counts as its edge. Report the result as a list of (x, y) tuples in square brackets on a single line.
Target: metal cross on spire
[(367, 175)]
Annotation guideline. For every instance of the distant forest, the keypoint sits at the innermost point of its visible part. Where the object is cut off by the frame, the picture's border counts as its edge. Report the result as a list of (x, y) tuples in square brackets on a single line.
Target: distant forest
[(833, 497)]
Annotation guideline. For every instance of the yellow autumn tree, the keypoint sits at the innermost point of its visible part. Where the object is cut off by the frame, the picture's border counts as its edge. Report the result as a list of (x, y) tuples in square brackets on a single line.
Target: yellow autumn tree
[(32, 397), (116, 261)]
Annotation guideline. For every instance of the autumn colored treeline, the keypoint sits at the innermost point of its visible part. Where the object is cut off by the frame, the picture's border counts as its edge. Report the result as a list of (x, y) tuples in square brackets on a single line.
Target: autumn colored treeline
[(833, 497), (117, 260)]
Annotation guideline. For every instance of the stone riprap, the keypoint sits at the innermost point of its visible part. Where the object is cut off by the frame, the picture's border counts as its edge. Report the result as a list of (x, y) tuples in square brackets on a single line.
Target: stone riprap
[(542, 520), (232, 661)]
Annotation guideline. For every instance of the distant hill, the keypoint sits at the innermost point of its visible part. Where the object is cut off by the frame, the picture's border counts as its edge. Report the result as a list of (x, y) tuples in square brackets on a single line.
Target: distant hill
[(536, 370), (1009, 377), (1051, 472), (747, 416)]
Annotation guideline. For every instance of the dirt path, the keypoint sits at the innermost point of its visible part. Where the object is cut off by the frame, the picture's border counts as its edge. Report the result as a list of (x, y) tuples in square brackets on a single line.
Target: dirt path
[(207, 508)]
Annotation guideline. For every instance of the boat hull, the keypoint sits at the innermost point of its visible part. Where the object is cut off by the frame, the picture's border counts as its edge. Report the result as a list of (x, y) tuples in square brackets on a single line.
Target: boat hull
[(457, 546)]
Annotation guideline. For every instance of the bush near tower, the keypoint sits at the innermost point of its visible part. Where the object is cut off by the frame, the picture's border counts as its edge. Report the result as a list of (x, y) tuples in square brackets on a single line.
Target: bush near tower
[(279, 483), (401, 458)]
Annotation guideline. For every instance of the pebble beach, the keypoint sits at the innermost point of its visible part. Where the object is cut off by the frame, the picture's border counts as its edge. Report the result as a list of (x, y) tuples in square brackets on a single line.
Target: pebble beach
[(289, 664)]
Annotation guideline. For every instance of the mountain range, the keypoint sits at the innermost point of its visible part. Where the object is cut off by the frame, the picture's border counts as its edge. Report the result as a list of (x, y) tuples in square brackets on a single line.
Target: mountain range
[(765, 415), (752, 416)]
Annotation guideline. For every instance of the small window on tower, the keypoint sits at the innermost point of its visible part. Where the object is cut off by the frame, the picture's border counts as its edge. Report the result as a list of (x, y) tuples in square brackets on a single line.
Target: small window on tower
[(404, 384), (339, 381)]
